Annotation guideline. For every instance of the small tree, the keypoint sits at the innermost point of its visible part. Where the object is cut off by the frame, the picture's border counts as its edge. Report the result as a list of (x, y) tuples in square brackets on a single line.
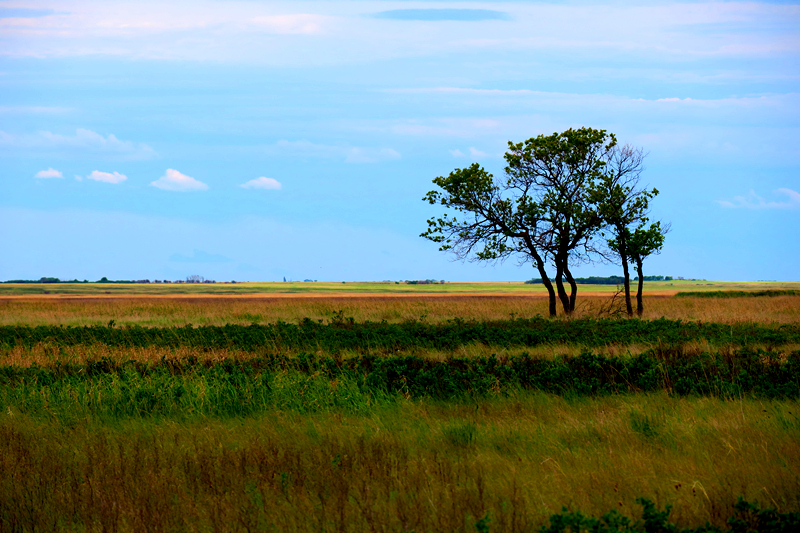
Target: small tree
[(644, 242), (621, 204)]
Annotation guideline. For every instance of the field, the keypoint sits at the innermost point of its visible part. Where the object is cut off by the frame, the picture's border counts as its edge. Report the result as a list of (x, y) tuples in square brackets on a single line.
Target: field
[(384, 407)]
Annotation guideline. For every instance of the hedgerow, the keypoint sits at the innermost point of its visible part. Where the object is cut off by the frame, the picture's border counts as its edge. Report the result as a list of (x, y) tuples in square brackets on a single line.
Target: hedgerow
[(345, 334)]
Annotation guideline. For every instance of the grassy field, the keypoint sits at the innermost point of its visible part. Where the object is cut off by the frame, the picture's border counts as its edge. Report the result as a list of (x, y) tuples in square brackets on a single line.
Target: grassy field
[(165, 311), (451, 426), (344, 288)]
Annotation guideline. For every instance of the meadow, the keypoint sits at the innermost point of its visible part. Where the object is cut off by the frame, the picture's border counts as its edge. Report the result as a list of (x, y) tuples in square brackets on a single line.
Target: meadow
[(410, 411)]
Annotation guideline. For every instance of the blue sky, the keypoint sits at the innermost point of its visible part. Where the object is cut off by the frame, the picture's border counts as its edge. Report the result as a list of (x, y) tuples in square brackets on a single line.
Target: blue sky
[(253, 140)]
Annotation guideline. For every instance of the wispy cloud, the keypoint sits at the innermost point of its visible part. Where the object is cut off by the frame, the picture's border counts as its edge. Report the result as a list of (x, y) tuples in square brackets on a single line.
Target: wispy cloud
[(473, 152), (49, 173), (173, 180), (199, 256), (86, 140), (303, 24), (461, 15), (754, 201), (371, 155), (107, 177), (32, 109), (444, 127), (262, 183), (22, 12), (349, 154), (337, 32)]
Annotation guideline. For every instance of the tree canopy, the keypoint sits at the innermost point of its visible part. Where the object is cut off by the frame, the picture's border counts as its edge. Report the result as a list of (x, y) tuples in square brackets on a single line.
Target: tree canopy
[(559, 192)]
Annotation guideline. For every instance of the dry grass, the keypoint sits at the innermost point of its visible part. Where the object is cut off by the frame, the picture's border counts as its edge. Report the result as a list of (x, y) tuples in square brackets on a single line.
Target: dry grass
[(421, 466), (45, 355), (163, 311), (357, 288)]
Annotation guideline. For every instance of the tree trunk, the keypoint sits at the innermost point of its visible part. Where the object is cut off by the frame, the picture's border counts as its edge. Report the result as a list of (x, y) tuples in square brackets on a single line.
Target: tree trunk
[(627, 276), (639, 304), (548, 285), (573, 289), (622, 249), (543, 274), (562, 294)]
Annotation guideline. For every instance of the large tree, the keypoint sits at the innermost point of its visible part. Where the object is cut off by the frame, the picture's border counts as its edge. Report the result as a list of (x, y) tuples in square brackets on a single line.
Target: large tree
[(542, 212), (559, 172), (499, 219)]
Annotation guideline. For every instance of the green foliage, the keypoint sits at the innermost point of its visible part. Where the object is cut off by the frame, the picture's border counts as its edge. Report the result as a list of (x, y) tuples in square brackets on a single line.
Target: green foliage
[(748, 517), (310, 383), (546, 210), (343, 333)]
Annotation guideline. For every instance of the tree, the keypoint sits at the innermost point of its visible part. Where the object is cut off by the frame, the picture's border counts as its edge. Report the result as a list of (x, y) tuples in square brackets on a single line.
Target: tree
[(624, 208), (559, 171), (644, 242), (500, 221), (541, 213), (622, 204)]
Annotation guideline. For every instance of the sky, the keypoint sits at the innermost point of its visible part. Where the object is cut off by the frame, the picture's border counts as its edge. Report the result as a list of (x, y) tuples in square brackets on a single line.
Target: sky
[(256, 140)]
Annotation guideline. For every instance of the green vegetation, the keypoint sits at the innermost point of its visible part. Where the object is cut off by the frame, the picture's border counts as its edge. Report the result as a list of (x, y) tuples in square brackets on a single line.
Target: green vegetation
[(418, 424), (412, 465), (308, 382), (737, 294), (343, 333)]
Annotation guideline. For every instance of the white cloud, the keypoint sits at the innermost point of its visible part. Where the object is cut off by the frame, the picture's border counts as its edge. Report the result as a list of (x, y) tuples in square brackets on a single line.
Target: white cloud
[(49, 173), (474, 152), (302, 23), (457, 153), (754, 201), (106, 177), (83, 139), (173, 180), (262, 183)]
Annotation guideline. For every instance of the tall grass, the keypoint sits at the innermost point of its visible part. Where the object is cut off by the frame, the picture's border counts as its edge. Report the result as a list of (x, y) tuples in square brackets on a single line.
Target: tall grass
[(431, 308), (413, 465)]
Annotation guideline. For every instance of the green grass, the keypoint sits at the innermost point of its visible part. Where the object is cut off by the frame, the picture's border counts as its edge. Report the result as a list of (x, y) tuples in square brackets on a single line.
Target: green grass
[(416, 465), (398, 426)]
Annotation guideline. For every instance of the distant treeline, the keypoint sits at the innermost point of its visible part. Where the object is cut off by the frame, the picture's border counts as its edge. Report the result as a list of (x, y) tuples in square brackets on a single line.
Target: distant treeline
[(599, 280), (737, 294), (57, 280), (47, 280), (190, 279)]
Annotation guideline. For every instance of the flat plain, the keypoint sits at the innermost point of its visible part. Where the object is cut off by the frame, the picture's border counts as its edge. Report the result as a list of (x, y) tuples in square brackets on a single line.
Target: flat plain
[(389, 407)]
